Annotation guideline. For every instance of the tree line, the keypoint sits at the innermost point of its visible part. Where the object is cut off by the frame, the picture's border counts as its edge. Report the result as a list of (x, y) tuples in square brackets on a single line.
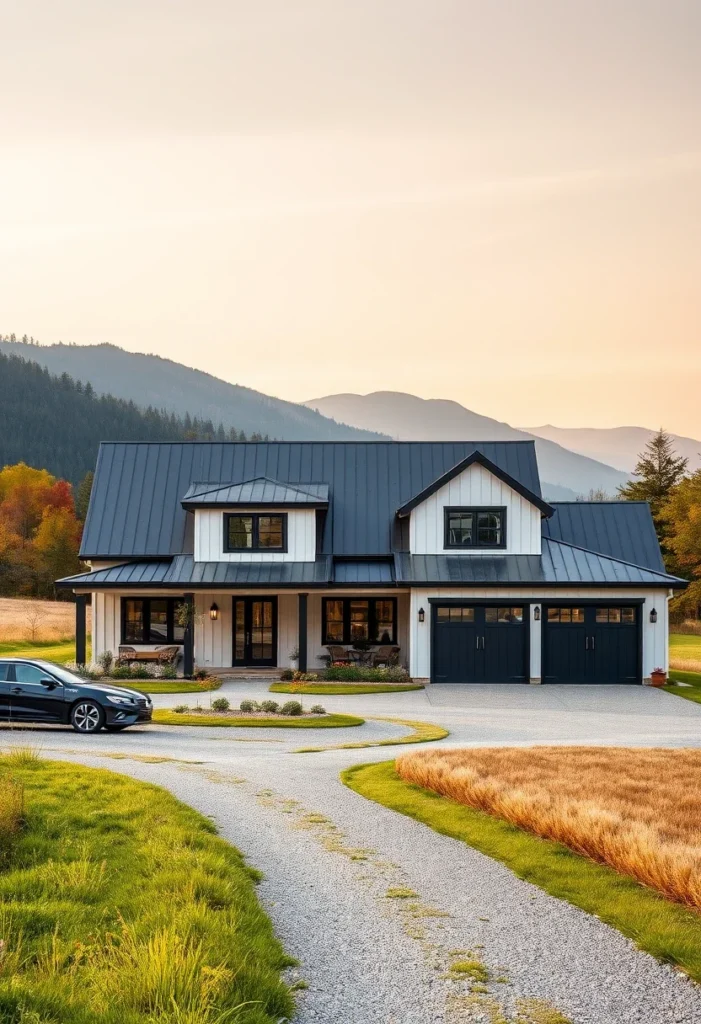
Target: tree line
[(662, 479), (56, 423)]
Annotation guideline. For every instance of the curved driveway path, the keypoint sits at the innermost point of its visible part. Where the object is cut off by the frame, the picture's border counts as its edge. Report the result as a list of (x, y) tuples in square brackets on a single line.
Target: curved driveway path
[(331, 859)]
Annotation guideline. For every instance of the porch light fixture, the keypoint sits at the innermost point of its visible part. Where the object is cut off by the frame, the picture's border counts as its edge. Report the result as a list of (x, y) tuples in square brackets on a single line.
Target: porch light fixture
[(653, 615), (536, 613), (422, 615), (214, 611)]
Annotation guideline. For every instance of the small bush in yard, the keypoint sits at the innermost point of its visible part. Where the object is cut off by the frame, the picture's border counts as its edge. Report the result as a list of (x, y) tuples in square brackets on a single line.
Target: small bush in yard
[(220, 704), (105, 661), (247, 705), (181, 709), (270, 706), (168, 672), (201, 673), (317, 709), (121, 672), (291, 707), (287, 675)]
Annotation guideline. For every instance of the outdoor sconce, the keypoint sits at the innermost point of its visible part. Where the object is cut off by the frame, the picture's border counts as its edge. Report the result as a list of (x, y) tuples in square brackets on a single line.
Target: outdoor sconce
[(422, 615), (653, 615), (214, 611), (536, 613)]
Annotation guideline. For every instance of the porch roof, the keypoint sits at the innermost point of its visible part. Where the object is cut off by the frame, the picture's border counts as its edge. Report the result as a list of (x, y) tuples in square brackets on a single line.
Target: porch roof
[(261, 490), (183, 573)]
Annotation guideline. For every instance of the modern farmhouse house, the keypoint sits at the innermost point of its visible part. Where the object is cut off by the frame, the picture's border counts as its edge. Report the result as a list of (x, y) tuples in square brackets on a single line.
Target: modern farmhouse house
[(443, 556)]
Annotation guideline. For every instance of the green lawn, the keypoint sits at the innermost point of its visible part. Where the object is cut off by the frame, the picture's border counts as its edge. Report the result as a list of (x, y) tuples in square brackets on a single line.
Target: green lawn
[(167, 685), (666, 930), (685, 645), (421, 732), (119, 905), (60, 651), (692, 691), (327, 689), (167, 717)]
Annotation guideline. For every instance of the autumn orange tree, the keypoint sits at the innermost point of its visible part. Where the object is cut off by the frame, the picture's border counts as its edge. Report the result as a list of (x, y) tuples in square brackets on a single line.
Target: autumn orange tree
[(39, 531)]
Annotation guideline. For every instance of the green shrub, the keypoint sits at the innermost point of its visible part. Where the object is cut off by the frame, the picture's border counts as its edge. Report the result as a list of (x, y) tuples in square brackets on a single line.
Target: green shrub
[(181, 709), (287, 675), (121, 672), (201, 673), (247, 705), (291, 707), (220, 704), (317, 709), (138, 671), (105, 661), (270, 706), (168, 671), (354, 673)]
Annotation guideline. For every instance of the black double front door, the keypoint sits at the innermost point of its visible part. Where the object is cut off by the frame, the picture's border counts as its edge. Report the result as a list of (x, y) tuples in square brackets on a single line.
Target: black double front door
[(480, 644), (255, 631), (592, 643)]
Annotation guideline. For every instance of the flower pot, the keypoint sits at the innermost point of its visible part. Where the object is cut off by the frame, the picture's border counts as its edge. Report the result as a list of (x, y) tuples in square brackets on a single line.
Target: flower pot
[(658, 678)]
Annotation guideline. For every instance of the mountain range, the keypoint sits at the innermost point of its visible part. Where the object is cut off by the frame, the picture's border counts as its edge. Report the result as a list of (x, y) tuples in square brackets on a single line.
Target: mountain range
[(565, 474), (618, 446)]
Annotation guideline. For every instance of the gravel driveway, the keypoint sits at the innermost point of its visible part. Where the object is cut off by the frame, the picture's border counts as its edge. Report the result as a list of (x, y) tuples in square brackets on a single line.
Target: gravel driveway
[(332, 860)]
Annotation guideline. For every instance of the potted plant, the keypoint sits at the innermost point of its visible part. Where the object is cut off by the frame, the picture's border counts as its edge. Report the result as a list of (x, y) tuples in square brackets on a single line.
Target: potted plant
[(658, 677), (294, 658)]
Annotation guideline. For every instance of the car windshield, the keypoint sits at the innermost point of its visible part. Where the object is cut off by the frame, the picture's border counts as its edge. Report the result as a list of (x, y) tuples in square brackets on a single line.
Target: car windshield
[(62, 673)]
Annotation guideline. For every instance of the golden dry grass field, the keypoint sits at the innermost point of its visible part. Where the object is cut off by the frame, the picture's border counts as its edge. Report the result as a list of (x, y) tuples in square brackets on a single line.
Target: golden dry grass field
[(685, 652), (37, 621), (637, 810)]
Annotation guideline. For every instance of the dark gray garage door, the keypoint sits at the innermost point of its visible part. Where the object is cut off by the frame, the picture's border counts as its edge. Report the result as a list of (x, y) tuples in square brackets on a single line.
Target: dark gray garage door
[(480, 644), (591, 643)]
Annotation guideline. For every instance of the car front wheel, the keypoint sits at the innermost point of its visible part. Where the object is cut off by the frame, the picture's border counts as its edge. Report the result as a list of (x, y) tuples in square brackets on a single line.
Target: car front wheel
[(87, 716)]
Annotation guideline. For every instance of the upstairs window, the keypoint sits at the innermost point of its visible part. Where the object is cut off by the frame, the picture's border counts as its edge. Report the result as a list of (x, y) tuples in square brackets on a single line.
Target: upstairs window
[(255, 531), (468, 528)]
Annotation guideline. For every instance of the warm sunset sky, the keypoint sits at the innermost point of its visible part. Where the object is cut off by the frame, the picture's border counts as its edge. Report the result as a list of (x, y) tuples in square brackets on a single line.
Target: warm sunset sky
[(495, 202)]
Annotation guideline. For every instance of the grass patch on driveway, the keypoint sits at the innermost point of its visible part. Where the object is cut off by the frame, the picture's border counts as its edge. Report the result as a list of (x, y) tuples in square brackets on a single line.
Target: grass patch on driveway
[(343, 689), (167, 717), (119, 905), (667, 930), (422, 732)]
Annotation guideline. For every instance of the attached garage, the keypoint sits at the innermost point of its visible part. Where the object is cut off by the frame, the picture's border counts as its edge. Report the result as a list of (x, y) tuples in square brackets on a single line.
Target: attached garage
[(592, 642), (480, 643)]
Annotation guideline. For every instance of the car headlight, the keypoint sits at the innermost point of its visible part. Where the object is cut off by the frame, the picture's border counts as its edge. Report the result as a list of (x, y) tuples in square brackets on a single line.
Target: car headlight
[(119, 700)]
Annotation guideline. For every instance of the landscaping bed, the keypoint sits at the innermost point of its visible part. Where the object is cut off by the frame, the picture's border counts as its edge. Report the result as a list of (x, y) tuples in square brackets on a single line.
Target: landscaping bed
[(251, 713), (341, 689), (121, 906), (339, 673), (667, 930)]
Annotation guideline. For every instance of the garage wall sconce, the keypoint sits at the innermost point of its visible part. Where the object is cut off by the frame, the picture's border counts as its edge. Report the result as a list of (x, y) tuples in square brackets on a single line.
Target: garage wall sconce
[(536, 613), (653, 615), (214, 611), (422, 615)]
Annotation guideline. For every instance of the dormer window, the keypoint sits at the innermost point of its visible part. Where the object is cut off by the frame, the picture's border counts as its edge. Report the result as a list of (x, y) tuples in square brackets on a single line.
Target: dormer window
[(470, 528), (255, 531)]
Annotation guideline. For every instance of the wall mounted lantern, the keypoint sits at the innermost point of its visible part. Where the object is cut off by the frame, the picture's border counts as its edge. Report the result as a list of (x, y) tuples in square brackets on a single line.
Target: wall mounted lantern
[(422, 615), (214, 611), (536, 613), (653, 615)]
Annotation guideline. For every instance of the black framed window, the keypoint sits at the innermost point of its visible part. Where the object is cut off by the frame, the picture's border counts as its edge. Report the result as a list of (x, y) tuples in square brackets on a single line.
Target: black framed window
[(255, 531), (349, 620), (151, 620), (475, 528)]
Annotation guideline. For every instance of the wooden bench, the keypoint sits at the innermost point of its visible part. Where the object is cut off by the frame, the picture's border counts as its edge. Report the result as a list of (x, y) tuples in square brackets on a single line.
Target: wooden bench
[(163, 655)]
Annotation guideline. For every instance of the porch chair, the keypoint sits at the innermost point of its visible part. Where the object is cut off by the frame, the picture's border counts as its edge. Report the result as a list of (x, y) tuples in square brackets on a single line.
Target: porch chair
[(337, 653), (385, 655)]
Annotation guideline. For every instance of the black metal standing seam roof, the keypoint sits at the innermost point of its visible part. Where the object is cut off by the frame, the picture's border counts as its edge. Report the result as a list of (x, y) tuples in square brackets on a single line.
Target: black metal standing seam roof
[(260, 491), (559, 564), (621, 529), (357, 572), (135, 508), (184, 572)]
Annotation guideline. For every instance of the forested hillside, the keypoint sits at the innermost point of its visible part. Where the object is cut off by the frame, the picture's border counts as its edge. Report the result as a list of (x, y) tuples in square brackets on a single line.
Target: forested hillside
[(57, 423)]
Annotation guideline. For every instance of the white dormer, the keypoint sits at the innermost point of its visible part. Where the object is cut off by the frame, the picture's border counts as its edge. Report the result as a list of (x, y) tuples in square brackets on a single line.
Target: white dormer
[(259, 520), (475, 509)]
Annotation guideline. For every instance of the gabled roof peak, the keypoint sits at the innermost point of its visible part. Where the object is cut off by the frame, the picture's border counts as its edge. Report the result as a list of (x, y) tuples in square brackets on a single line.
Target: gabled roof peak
[(258, 490), (475, 458)]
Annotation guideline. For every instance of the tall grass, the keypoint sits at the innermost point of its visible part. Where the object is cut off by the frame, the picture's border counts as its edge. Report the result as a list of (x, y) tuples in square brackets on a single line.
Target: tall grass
[(639, 811), (119, 905)]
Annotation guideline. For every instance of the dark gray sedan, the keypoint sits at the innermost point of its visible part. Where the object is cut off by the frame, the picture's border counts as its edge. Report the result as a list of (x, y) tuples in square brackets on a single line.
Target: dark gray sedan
[(40, 691)]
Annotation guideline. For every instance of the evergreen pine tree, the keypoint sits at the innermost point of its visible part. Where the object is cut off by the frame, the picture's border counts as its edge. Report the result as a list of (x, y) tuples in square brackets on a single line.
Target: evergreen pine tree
[(658, 472)]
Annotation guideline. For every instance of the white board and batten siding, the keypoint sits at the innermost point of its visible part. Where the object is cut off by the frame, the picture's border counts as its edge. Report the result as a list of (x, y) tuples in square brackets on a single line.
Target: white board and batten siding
[(655, 634), (209, 537), (476, 487)]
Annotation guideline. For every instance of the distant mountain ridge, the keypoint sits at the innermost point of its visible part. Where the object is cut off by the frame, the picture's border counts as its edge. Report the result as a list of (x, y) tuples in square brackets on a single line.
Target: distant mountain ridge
[(164, 384), (565, 474), (618, 446)]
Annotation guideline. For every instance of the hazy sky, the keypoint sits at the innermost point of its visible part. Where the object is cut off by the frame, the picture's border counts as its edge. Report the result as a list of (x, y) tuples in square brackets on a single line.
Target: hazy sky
[(498, 203)]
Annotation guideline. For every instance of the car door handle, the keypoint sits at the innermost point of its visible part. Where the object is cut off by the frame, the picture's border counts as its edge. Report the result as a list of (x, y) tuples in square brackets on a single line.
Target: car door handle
[(16, 689)]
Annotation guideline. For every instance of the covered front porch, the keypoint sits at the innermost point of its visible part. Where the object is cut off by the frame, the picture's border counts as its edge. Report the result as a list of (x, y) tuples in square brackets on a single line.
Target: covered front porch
[(246, 631)]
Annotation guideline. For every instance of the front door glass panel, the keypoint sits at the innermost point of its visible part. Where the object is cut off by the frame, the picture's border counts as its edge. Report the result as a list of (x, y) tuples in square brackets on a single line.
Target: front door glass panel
[(254, 639)]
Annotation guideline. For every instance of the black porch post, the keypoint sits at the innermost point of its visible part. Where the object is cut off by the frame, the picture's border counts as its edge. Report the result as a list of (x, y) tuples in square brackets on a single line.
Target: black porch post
[(302, 633), (80, 645), (189, 637)]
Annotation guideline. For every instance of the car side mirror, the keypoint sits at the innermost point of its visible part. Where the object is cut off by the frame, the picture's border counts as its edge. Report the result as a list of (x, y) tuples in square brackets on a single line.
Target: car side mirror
[(50, 684)]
